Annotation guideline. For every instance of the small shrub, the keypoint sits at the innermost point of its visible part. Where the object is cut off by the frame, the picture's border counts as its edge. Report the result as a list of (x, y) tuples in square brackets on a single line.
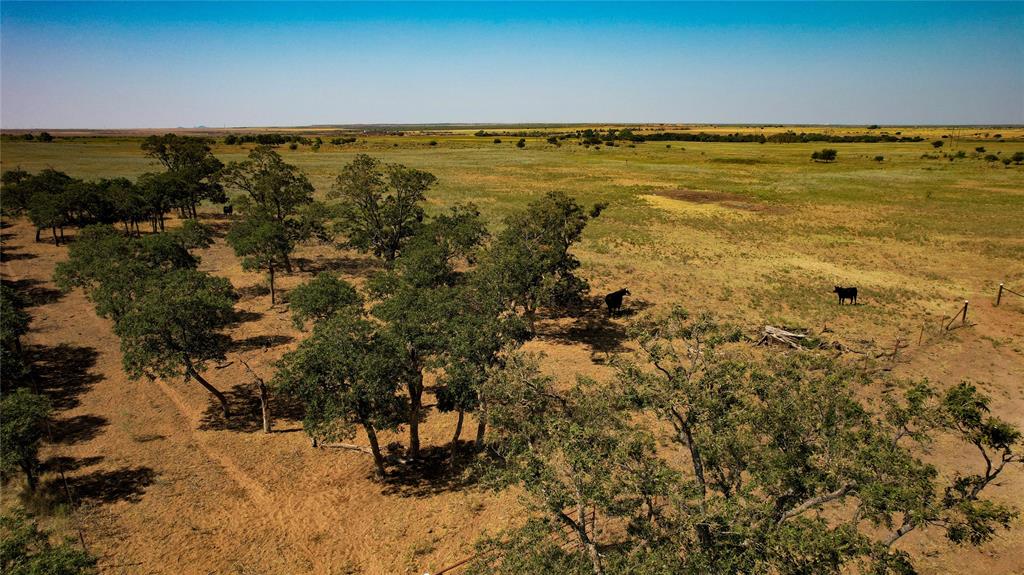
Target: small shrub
[(938, 143), (826, 155), (1017, 158), (879, 158), (433, 142), (521, 143), (293, 146), (980, 149), (991, 158), (497, 140)]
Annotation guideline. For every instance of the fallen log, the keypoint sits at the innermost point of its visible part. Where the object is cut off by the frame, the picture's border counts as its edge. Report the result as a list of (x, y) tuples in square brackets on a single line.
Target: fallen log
[(772, 334)]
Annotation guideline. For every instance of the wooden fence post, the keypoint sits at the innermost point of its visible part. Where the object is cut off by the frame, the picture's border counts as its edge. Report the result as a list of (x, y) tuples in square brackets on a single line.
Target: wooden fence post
[(999, 296), (965, 313)]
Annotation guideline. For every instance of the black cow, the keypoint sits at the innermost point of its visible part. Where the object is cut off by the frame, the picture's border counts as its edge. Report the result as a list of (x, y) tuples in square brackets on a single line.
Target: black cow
[(614, 300), (844, 294), (229, 209)]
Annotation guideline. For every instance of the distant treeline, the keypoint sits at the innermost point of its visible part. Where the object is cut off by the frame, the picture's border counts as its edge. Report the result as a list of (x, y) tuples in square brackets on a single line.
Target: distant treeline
[(779, 138), (512, 133), (265, 139), (597, 137), (279, 139), (28, 137)]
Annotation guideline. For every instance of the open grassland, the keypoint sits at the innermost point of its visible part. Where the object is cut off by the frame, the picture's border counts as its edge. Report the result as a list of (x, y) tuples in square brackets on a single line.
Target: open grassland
[(754, 232)]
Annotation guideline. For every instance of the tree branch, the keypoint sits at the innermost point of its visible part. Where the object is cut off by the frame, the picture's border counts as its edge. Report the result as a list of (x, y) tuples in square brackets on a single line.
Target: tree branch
[(815, 501)]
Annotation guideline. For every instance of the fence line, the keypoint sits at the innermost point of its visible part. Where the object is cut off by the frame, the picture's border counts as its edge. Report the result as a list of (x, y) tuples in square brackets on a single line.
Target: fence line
[(1002, 288), (961, 314)]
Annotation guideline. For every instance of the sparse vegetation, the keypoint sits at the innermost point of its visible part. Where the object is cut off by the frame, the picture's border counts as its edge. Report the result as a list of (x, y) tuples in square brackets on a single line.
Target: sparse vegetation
[(397, 353)]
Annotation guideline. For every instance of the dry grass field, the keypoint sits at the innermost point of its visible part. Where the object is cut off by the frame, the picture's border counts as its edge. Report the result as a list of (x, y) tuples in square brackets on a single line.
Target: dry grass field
[(756, 233)]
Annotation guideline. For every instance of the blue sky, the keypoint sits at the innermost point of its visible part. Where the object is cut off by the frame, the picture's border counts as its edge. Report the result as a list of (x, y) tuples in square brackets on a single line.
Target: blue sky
[(161, 65)]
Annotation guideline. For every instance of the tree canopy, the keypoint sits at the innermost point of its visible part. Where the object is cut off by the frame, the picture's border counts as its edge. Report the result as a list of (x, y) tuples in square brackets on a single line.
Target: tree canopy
[(777, 464), (379, 204), (347, 375), (191, 169), (174, 327)]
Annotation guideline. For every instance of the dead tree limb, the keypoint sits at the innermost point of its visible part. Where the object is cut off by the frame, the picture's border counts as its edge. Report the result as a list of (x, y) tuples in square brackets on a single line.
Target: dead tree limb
[(264, 399)]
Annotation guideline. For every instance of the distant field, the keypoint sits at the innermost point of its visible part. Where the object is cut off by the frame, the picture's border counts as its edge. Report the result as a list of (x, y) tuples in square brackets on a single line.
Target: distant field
[(757, 233), (915, 233)]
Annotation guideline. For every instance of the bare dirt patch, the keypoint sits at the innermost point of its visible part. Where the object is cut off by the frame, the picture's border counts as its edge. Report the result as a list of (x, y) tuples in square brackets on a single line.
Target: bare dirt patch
[(725, 199)]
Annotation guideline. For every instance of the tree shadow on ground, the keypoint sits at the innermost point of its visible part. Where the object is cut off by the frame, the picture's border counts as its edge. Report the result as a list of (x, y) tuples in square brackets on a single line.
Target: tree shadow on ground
[(219, 224), (253, 291), (260, 342), (66, 490), (344, 265), (242, 316), (10, 255), (77, 429), (604, 335), (433, 473), (58, 463), (125, 484), (63, 372), (246, 414), (33, 292)]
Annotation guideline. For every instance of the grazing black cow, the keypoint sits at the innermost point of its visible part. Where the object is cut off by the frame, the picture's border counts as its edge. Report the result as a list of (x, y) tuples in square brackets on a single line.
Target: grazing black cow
[(229, 209), (614, 300), (844, 294)]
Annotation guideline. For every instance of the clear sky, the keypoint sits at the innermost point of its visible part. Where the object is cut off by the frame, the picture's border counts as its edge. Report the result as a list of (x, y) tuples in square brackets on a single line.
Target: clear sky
[(161, 65)]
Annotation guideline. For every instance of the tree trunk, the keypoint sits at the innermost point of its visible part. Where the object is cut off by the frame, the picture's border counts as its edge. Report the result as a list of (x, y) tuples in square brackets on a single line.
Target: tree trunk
[(287, 263), (53, 230), (415, 405), (378, 459), (580, 527), (38, 230), (481, 429), (216, 393), (265, 407), (30, 475), (273, 296), (458, 433)]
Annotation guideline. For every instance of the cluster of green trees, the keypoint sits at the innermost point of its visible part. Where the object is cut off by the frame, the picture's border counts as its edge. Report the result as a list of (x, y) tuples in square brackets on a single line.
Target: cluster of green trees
[(53, 200), (266, 139), (451, 297), (277, 208), (24, 420), (765, 466), (451, 300), (30, 137), (168, 315), (23, 412)]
